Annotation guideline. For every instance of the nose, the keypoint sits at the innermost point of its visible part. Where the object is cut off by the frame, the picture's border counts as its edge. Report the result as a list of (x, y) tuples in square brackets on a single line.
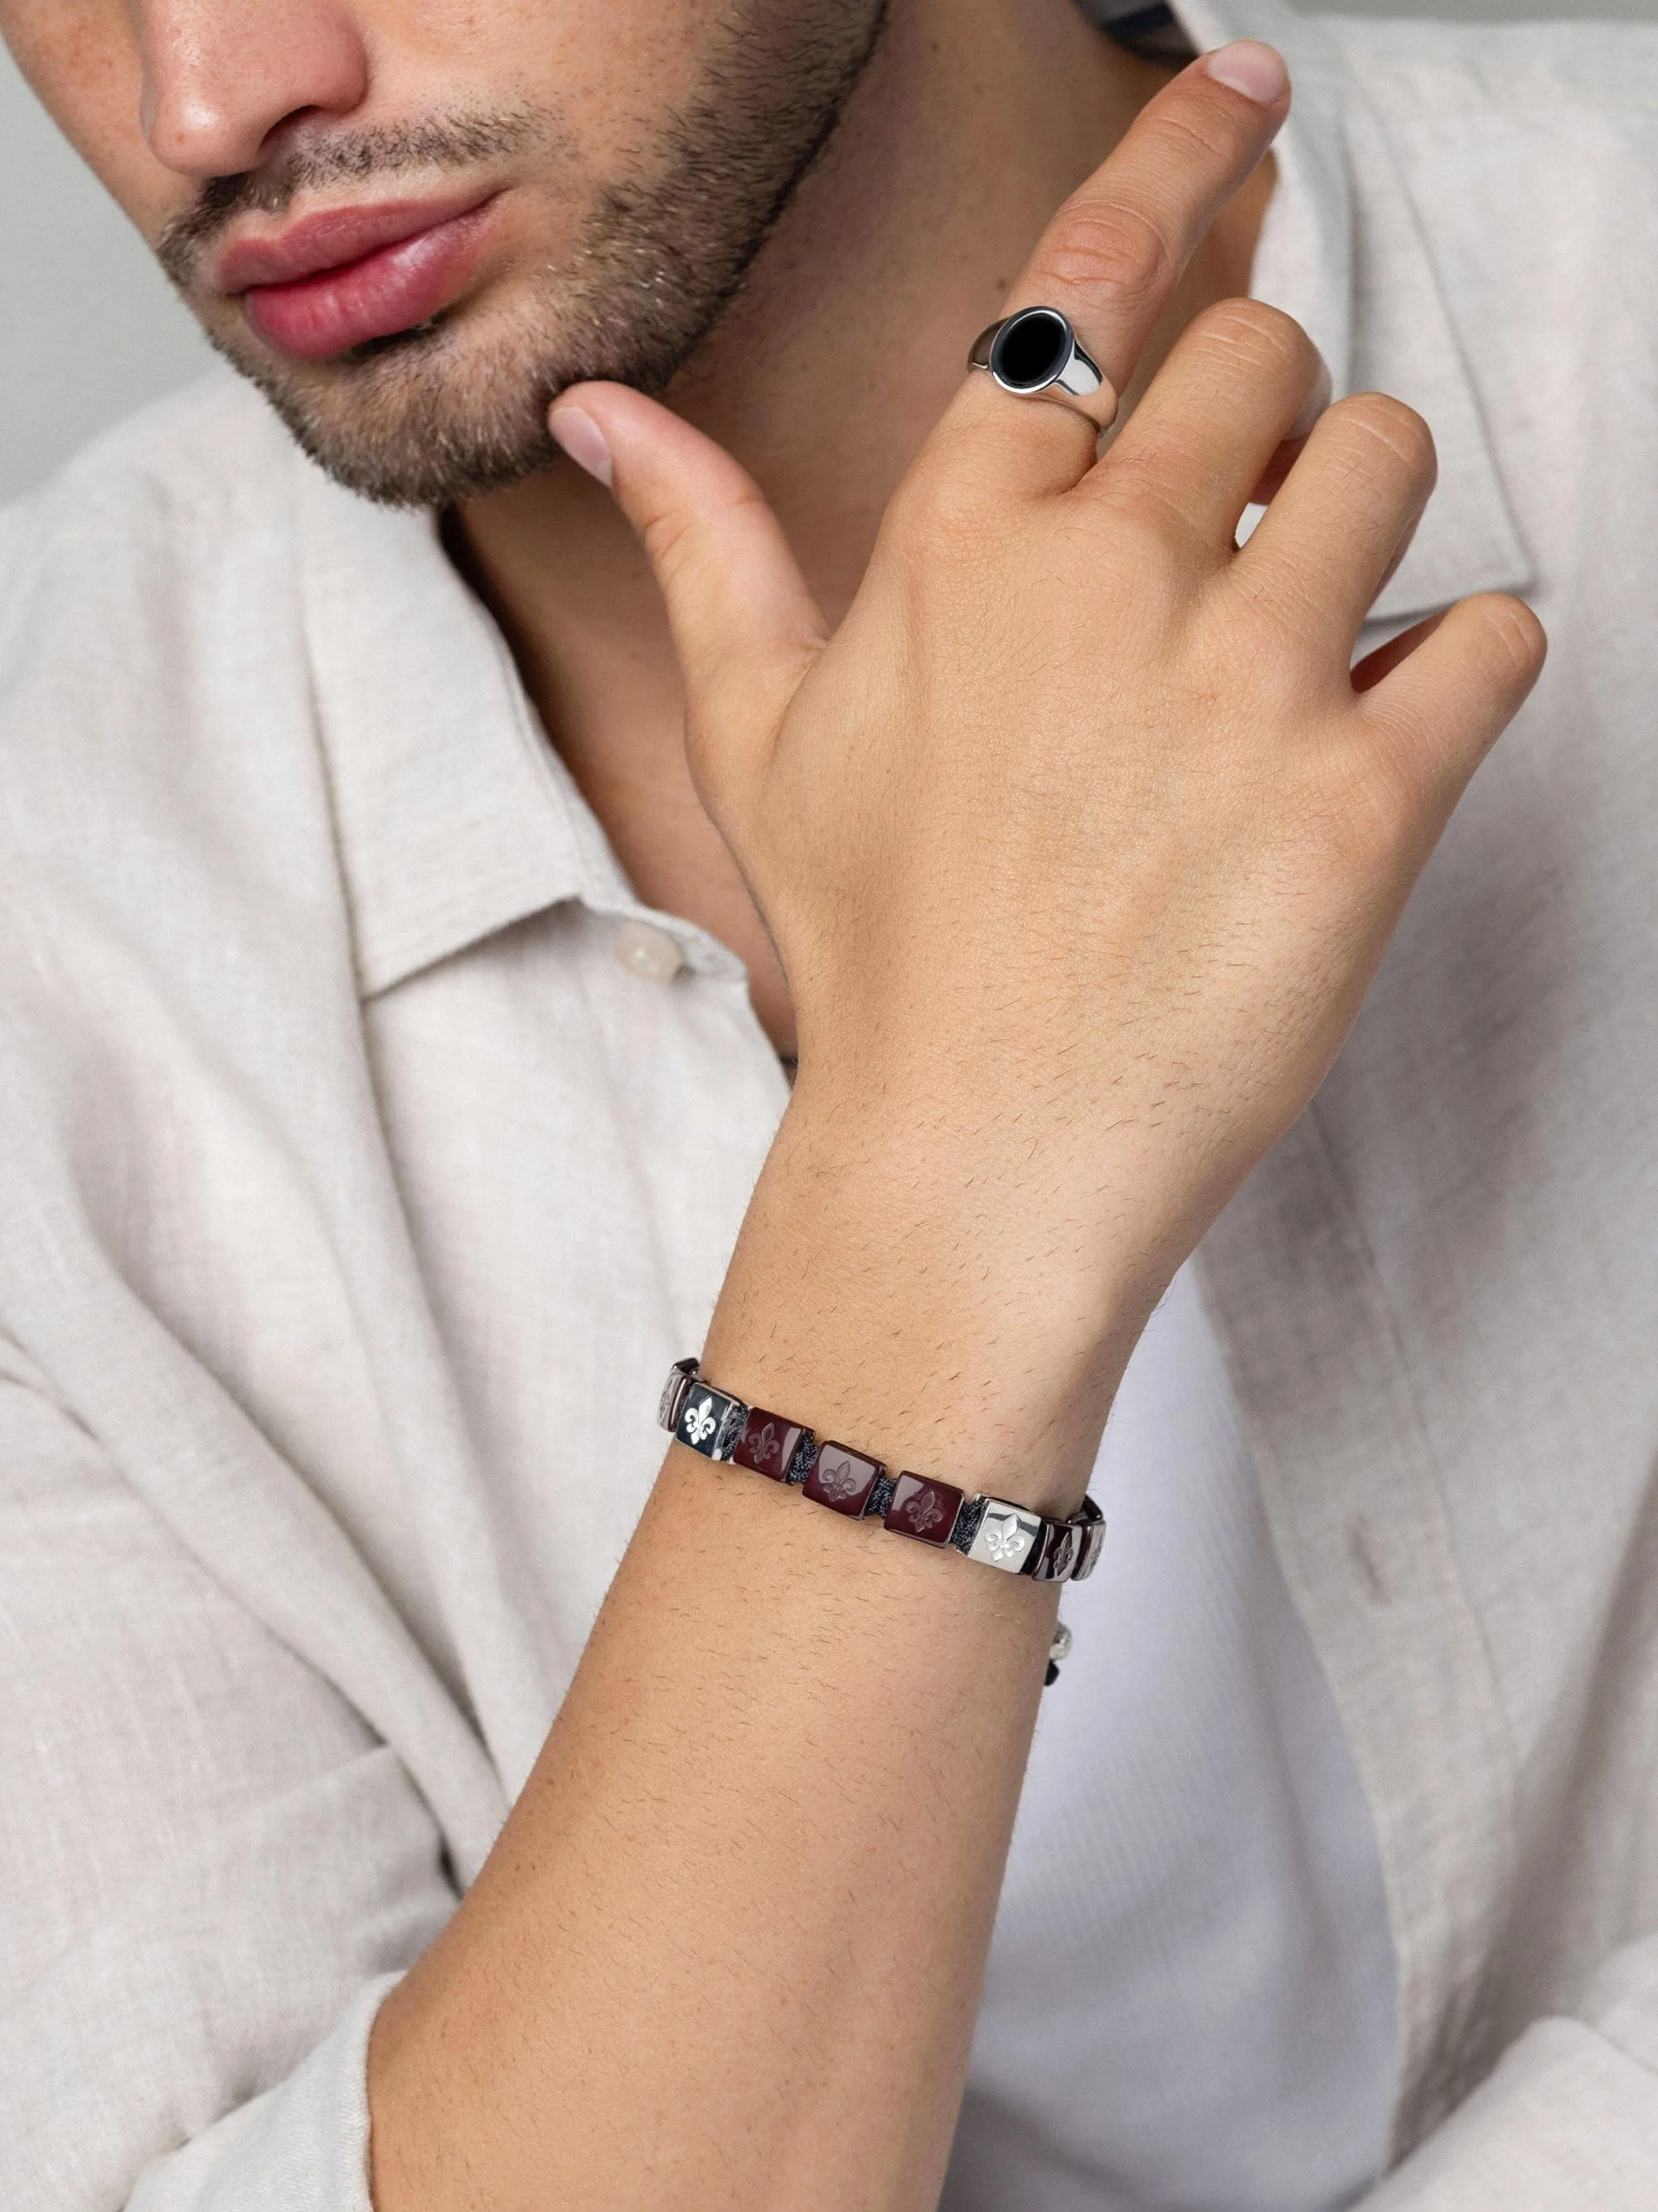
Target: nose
[(221, 77)]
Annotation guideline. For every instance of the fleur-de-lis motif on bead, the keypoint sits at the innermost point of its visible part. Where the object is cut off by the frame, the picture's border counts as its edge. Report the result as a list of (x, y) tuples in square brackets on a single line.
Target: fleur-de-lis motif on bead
[(1006, 1542), (700, 1422), (765, 1444), (927, 1512), (840, 1477)]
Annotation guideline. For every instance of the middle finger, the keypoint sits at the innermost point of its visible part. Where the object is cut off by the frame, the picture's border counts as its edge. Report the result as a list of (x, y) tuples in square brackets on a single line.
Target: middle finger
[(1243, 381)]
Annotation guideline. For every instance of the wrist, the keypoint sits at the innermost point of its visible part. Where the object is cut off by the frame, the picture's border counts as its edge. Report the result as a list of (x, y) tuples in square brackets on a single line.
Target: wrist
[(940, 1320)]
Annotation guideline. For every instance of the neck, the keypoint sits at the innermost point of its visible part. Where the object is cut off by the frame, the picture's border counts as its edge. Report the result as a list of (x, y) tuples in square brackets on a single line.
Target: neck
[(976, 118)]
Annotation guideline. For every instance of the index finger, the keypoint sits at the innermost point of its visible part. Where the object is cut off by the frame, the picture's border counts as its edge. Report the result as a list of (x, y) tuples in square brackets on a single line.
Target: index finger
[(1111, 257)]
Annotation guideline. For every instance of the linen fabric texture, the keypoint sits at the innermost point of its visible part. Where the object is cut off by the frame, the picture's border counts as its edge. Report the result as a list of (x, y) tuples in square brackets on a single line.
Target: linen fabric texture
[(276, 1669)]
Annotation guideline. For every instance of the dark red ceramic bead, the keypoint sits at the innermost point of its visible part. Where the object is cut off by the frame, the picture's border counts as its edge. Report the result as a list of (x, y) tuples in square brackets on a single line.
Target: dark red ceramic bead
[(843, 1479), (768, 1444), (926, 1510)]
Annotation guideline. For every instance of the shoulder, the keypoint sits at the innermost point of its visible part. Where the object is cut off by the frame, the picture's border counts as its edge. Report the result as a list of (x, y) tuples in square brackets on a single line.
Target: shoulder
[(183, 496), (157, 728), (197, 444), (161, 551)]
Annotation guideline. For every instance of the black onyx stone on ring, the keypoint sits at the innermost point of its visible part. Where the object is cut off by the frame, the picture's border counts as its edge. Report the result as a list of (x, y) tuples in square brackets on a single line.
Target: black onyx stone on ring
[(1031, 349), (1035, 355)]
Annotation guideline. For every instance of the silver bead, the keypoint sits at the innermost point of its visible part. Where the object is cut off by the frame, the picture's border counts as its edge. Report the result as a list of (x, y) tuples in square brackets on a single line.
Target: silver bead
[(1007, 1537)]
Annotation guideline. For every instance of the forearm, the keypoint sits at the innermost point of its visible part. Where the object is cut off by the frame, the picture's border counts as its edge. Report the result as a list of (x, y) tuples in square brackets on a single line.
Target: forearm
[(728, 1948)]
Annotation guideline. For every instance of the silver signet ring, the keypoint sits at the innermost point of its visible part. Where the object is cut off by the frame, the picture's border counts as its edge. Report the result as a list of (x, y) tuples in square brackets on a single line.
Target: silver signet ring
[(1035, 355)]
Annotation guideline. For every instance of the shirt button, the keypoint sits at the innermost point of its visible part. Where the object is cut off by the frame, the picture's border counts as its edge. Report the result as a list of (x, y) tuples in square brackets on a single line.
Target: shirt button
[(650, 954)]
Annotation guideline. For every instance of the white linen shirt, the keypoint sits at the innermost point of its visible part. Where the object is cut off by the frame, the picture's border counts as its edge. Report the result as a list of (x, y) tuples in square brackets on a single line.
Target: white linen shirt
[(297, 1550), (1189, 1999)]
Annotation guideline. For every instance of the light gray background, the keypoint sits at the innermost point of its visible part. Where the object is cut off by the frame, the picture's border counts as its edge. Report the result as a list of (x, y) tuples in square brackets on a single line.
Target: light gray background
[(89, 331)]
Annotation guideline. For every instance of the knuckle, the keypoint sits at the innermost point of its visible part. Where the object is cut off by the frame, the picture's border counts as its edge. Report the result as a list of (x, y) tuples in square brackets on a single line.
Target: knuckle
[(1284, 605), (667, 534), (1265, 336), (1153, 534), (677, 536), (1194, 139), (940, 511), (1387, 801), (1389, 430), (1113, 250), (1367, 815)]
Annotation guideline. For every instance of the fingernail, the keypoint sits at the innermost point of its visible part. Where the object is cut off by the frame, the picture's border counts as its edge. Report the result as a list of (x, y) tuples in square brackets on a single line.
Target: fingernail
[(582, 439), (1256, 70)]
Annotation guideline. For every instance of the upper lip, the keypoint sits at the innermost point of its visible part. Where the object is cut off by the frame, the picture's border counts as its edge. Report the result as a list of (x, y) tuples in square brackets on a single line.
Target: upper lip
[(335, 237)]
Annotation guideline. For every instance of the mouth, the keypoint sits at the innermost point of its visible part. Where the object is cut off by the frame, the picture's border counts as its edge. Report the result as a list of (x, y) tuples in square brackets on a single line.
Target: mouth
[(342, 277)]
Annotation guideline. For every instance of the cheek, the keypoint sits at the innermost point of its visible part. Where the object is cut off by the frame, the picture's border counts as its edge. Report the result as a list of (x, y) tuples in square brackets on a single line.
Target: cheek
[(81, 58), (610, 70)]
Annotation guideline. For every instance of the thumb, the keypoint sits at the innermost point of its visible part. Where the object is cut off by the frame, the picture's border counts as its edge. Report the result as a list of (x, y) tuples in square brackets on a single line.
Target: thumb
[(745, 626)]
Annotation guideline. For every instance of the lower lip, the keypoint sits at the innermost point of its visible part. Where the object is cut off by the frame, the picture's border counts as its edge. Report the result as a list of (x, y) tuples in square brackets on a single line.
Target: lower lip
[(395, 289)]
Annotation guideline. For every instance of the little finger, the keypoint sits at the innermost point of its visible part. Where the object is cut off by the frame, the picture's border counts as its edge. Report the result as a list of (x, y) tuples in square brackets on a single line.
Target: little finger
[(1437, 712)]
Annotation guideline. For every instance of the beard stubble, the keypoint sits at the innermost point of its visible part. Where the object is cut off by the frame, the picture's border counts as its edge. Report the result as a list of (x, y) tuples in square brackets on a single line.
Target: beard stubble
[(445, 413)]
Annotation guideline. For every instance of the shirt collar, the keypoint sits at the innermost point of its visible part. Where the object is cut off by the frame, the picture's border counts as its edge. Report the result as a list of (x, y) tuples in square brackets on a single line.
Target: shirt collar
[(1344, 251), (455, 816)]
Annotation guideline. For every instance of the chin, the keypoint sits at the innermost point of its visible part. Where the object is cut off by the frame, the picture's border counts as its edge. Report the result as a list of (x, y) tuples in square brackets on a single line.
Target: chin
[(425, 418)]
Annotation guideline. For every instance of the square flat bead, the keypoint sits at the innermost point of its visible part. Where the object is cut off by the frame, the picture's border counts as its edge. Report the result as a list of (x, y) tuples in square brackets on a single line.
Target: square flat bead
[(1061, 1541), (1007, 1537), (679, 1382), (925, 1511), (843, 1480), (710, 1421), (768, 1444)]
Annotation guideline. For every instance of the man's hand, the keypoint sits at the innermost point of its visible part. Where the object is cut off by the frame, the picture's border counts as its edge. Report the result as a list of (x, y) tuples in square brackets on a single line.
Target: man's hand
[(1079, 842)]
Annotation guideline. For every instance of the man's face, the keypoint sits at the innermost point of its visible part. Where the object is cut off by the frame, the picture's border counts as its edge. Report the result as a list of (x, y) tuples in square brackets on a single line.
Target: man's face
[(412, 222)]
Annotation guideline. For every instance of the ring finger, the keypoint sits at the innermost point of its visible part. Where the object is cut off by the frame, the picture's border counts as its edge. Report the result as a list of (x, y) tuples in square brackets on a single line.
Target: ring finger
[(1111, 258)]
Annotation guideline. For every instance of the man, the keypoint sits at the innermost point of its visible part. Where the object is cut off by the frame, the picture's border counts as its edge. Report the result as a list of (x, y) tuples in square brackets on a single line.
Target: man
[(393, 1042)]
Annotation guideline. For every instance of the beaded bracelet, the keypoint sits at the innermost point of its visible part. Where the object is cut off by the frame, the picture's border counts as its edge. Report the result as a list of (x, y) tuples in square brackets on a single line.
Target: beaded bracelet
[(987, 1529)]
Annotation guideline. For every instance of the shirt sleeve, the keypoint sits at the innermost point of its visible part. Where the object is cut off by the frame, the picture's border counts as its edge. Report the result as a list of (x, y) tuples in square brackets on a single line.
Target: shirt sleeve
[(210, 1869), (1567, 2121)]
